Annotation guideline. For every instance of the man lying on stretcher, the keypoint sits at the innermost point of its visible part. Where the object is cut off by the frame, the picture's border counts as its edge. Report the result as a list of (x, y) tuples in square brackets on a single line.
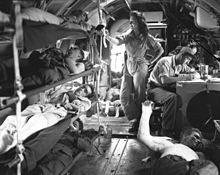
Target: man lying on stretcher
[(174, 158), (37, 116)]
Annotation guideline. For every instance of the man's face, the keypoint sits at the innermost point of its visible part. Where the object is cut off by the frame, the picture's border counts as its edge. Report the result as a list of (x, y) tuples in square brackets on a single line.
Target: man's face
[(83, 91), (76, 54), (192, 140), (186, 59)]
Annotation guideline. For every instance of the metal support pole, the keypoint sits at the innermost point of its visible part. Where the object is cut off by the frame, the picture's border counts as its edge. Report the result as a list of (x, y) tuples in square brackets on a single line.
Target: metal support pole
[(17, 42)]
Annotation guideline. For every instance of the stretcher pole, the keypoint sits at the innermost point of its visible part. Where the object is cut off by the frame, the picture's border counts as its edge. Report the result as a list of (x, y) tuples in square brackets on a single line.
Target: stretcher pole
[(17, 42), (100, 58)]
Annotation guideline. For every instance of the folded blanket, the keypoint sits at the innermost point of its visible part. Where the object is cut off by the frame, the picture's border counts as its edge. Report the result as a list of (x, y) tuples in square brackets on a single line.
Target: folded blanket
[(33, 119)]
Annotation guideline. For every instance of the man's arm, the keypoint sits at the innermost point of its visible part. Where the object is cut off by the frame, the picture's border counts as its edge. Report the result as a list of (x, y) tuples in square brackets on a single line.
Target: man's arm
[(75, 67), (184, 74), (166, 78), (189, 72), (155, 143), (181, 77)]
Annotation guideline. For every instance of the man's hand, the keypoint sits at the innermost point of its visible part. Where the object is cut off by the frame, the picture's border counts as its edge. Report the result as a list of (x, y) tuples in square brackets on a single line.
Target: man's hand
[(71, 107), (188, 77), (106, 33), (196, 75), (88, 65)]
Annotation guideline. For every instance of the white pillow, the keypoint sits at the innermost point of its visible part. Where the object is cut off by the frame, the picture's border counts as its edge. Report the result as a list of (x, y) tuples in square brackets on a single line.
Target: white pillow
[(4, 18), (39, 15)]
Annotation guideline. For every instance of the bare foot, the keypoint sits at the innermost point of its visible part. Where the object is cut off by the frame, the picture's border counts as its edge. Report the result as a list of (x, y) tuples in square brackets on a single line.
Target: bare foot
[(147, 106), (6, 140)]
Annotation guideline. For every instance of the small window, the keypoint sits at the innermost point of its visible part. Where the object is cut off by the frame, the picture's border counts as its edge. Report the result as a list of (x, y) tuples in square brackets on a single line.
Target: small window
[(205, 20)]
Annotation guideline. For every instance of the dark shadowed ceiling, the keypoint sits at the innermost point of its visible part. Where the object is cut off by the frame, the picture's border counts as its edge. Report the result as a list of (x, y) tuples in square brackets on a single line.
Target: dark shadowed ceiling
[(183, 10), (175, 12)]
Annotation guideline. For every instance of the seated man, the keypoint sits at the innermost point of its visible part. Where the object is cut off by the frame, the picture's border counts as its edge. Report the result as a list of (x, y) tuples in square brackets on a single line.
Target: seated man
[(162, 84), (37, 116), (175, 158)]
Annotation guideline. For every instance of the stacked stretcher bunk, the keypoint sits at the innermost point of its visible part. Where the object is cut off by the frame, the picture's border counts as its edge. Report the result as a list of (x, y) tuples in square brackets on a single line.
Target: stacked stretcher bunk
[(49, 151), (53, 148)]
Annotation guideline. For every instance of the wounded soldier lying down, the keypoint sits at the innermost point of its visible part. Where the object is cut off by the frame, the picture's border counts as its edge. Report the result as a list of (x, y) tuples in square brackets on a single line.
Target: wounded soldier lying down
[(37, 117), (175, 158)]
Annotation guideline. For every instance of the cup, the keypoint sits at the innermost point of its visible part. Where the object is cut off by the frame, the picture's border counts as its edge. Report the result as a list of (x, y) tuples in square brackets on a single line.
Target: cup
[(204, 70)]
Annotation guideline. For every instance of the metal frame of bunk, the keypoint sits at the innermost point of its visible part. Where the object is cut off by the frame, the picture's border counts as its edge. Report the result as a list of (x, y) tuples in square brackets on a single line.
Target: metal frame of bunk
[(11, 100)]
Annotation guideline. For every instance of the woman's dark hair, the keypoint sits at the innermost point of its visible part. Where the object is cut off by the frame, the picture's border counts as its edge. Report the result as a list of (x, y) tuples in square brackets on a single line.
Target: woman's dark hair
[(142, 25)]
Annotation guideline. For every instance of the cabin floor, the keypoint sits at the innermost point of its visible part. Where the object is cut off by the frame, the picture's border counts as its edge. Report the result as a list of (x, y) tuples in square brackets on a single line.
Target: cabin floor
[(122, 155), (120, 125)]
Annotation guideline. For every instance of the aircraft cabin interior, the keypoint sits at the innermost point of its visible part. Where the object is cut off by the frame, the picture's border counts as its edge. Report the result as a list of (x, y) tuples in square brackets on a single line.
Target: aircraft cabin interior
[(87, 85)]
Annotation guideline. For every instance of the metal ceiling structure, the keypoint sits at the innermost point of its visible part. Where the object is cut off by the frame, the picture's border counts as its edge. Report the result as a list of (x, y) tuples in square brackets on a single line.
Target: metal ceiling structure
[(174, 11)]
